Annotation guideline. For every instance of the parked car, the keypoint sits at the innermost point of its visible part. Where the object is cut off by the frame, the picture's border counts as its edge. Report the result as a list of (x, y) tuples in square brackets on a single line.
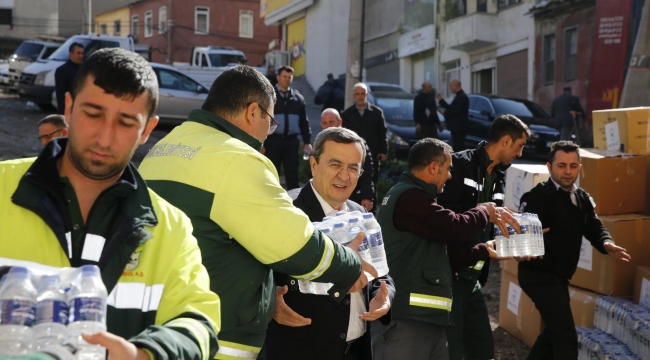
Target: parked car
[(179, 94), (397, 104), (483, 109)]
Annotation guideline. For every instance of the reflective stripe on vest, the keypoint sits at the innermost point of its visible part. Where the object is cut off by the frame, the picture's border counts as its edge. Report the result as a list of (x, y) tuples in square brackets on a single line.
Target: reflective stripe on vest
[(498, 196), (324, 264), (135, 295), (198, 330), (478, 265), (232, 351), (435, 302), (473, 184)]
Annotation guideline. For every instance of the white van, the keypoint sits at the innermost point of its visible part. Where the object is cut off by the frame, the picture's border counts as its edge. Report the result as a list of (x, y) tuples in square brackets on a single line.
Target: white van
[(37, 80)]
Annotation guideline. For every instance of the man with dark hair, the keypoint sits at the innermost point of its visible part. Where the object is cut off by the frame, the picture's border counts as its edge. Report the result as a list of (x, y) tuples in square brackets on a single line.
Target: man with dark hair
[(52, 126), (425, 113), (64, 74), (568, 212), (364, 193), (282, 146), (416, 233), (336, 165), (270, 74), (81, 203), (478, 176), (210, 167), (368, 121), (456, 114), (565, 109)]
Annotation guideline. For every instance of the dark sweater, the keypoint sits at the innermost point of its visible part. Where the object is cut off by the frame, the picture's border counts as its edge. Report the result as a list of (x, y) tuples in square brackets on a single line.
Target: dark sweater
[(567, 223), (63, 78)]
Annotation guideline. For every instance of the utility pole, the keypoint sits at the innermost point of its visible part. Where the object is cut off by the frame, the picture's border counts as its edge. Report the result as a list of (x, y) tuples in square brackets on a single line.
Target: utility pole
[(355, 43), (90, 17), (169, 32)]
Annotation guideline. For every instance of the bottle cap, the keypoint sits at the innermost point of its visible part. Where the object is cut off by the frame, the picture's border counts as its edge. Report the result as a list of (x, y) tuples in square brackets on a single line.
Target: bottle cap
[(89, 270), (353, 220), (19, 271), (367, 216), (339, 225)]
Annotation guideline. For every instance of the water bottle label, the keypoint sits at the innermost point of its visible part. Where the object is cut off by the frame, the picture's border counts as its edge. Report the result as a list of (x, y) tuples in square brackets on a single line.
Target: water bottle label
[(524, 229), (87, 309), (375, 239), (52, 311), (17, 312), (364, 244)]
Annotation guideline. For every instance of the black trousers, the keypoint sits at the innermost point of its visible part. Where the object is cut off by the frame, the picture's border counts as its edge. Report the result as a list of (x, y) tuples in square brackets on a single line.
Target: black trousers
[(283, 151), (550, 293), (458, 140), (427, 131)]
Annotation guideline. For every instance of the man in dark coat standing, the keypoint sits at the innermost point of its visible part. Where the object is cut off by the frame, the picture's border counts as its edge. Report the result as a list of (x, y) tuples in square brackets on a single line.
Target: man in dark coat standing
[(367, 121), (324, 329), (565, 107), (425, 113), (456, 114), (64, 74)]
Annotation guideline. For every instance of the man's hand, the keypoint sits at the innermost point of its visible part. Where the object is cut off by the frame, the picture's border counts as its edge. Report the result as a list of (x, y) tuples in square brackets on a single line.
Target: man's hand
[(491, 247), (506, 215), (118, 348), (438, 96), (367, 204), (307, 148), (365, 267), (418, 127), (382, 157), (283, 313), (379, 305), (617, 252)]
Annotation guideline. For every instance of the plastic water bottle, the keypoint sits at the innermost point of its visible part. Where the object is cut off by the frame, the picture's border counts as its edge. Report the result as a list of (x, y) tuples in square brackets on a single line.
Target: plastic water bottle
[(307, 153), (51, 313), (540, 235), (340, 233), (17, 312), (376, 242), (355, 227), (500, 243), (525, 235), (87, 301)]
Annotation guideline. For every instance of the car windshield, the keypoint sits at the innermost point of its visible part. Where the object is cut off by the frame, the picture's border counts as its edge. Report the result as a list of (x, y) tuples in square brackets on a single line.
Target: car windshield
[(90, 46), (396, 109), (28, 51), (225, 59), (386, 88), (520, 108)]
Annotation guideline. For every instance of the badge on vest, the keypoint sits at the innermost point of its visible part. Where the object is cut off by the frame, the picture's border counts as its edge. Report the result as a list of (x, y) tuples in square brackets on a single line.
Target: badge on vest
[(134, 261), (385, 201)]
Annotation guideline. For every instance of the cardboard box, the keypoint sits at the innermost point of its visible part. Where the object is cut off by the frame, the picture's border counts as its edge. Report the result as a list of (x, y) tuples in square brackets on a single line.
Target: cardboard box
[(616, 181), (583, 305), (606, 275), (642, 286), (511, 266), (622, 130), (517, 313), (521, 178)]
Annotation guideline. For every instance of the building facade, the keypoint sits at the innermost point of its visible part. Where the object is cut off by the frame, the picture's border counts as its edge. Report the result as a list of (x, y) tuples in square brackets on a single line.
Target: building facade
[(173, 28), (114, 22)]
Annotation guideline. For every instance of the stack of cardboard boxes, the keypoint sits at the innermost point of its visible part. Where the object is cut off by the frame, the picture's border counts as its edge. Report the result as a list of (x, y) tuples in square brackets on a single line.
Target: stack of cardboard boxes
[(619, 184)]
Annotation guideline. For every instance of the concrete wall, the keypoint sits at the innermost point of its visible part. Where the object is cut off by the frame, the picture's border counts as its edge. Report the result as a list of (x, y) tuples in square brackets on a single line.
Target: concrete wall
[(383, 24), (32, 17), (327, 45)]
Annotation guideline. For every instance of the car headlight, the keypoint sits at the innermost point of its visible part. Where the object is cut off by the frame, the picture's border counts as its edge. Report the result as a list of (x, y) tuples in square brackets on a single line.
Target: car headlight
[(394, 139), (40, 78)]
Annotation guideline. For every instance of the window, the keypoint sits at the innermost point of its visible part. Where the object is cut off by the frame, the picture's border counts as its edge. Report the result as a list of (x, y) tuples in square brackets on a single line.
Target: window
[(482, 105), (246, 23), (6, 16), (117, 27), (135, 31), (452, 71), (506, 3), (148, 24), (483, 82), (102, 29), (175, 81), (201, 20), (481, 5), (570, 54), (548, 52), (162, 19), (204, 61)]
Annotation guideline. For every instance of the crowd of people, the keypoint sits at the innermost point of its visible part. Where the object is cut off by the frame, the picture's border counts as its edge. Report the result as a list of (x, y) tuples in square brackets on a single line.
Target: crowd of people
[(225, 246)]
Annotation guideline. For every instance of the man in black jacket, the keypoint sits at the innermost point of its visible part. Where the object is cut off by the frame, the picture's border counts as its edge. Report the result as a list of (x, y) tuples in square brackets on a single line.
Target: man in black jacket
[(364, 193), (325, 329), (456, 114), (478, 176), (367, 121), (282, 146), (425, 113), (568, 212), (64, 74), (564, 110)]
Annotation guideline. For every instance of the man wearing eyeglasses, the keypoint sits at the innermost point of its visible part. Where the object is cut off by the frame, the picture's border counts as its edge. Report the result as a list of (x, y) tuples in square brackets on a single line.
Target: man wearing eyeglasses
[(322, 328), (50, 127), (211, 168), (282, 146)]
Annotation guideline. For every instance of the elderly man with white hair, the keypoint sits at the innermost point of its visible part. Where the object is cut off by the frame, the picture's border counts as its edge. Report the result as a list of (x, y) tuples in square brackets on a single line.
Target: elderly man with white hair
[(368, 121)]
